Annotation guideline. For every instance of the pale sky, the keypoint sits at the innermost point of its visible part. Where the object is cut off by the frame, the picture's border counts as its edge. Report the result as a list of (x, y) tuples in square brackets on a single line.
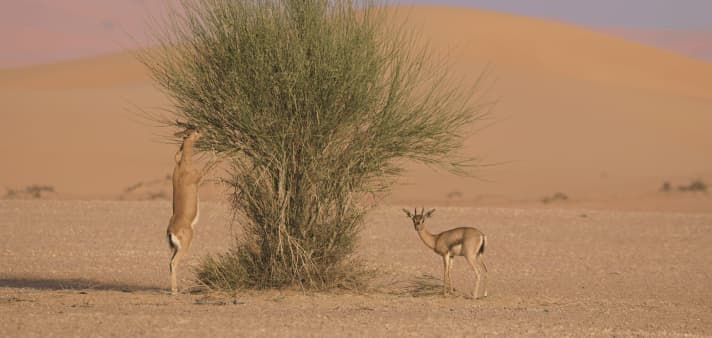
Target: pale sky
[(41, 31), (631, 13)]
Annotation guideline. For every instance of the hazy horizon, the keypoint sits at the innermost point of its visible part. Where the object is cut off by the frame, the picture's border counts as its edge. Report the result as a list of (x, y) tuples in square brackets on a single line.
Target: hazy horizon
[(45, 31), (659, 14)]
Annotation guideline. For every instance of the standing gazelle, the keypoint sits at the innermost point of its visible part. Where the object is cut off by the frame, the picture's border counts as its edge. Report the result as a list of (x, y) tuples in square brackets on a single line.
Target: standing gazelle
[(186, 210), (464, 241)]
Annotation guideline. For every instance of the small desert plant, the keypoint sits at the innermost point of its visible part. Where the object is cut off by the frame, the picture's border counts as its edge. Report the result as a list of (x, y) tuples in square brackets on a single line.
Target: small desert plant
[(697, 185), (133, 187), (148, 190), (316, 103), (11, 193), (37, 190), (456, 194), (559, 196), (31, 191)]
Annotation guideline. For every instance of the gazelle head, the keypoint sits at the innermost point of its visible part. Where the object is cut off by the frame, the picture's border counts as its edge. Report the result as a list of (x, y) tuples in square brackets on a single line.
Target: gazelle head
[(189, 134), (419, 220), (193, 135)]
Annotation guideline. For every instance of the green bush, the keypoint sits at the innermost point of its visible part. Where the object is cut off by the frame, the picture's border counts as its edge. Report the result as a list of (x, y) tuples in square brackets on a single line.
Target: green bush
[(315, 102)]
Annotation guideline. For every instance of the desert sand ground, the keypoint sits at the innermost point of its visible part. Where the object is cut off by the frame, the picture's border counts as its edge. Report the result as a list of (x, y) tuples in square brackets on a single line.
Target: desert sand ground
[(99, 268)]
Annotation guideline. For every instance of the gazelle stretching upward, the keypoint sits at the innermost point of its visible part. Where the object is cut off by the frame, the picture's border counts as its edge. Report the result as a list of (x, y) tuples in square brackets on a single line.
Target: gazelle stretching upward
[(186, 180), (465, 241)]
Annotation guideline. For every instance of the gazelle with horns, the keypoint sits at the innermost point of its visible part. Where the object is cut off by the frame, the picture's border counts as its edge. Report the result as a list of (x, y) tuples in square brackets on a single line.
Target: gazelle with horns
[(465, 241)]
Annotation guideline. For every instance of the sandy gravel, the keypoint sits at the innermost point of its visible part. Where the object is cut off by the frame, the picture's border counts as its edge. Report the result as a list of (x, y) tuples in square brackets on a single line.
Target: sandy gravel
[(82, 268)]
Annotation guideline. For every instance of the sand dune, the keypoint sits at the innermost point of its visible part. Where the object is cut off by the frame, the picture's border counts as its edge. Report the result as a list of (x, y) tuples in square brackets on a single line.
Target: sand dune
[(533, 45), (581, 112), (105, 71), (578, 111), (78, 126)]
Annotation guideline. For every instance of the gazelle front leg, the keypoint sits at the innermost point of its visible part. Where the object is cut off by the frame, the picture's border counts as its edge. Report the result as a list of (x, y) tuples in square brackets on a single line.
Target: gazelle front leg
[(449, 274), (446, 278)]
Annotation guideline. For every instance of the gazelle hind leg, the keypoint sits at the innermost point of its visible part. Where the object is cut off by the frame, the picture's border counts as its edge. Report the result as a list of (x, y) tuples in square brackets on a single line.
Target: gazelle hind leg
[(171, 268), (472, 261), (175, 258), (483, 266), (447, 261)]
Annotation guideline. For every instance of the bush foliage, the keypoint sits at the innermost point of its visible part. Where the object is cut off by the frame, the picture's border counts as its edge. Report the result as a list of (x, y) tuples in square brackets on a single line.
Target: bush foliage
[(315, 102)]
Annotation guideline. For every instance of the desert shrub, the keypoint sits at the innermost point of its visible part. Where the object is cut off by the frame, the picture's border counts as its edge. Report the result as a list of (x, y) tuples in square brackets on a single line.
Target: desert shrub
[(36, 190), (456, 194), (559, 196), (30, 191), (697, 185), (316, 103)]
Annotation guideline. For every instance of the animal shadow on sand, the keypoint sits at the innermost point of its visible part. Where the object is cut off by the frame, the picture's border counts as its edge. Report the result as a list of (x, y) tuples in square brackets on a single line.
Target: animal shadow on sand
[(424, 285), (72, 284)]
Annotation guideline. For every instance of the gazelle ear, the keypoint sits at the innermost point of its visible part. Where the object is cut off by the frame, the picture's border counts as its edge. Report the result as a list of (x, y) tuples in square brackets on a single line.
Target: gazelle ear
[(407, 213), (429, 213)]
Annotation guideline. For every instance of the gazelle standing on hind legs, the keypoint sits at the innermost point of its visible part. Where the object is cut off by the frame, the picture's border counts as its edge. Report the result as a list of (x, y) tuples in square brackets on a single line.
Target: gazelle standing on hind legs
[(186, 209), (465, 241)]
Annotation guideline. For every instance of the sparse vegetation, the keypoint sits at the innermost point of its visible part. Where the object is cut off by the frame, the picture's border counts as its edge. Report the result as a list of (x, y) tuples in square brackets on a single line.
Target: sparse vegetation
[(133, 187), (316, 103), (557, 197), (148, 190), (30, 191), (456, 194), (161, 195), (695, 186)]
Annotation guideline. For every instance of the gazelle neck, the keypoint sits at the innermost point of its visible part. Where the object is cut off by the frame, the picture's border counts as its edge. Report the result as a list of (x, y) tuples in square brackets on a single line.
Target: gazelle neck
[(187, 157), (427, 238)]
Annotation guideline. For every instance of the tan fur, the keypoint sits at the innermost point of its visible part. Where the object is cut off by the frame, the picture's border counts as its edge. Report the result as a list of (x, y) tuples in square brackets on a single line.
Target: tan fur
[(465, 241), (186, 180)]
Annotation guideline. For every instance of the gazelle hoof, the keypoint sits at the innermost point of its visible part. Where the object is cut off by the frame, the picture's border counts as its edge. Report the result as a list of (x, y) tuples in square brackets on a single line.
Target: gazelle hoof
[(475, 296)]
